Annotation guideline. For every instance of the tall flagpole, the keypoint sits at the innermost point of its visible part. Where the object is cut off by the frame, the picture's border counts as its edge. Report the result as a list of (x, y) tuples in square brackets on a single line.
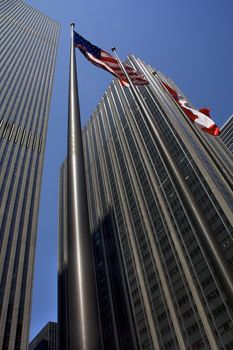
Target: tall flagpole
[(83, 319), (215, 254)]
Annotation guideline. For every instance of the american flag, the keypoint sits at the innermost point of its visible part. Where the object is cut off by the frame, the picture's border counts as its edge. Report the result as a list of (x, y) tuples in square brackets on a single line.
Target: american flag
[(106, 61)]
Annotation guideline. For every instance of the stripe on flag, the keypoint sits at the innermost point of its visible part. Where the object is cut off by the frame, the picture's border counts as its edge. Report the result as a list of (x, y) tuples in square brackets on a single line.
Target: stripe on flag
[(104, 60)]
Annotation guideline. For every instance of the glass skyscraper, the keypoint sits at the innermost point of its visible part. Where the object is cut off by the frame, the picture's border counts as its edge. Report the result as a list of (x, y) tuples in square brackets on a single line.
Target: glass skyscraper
[(28, 43), (158, 286)]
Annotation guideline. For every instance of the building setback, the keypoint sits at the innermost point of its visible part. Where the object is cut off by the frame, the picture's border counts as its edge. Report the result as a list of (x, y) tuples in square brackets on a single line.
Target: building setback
[(28, 44), (46, 339), (157, 284)]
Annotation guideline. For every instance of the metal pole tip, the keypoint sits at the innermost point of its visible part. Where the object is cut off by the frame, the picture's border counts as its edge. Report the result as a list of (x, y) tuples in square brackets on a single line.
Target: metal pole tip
[(113, 49), (72, 24)]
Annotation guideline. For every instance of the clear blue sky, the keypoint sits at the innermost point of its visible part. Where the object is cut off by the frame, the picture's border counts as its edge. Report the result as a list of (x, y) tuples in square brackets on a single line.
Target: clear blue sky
[(191, 41)]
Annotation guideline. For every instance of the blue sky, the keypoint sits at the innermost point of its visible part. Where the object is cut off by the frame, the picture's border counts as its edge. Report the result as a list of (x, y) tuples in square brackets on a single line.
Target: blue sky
[(190, 41)]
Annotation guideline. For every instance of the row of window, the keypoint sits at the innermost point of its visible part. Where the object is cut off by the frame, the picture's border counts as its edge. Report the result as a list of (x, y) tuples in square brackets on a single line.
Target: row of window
[(16, 134)]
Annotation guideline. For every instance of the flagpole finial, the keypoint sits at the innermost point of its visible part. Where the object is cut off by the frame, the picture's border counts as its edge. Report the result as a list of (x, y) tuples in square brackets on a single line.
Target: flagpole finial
[(113, 48), (72, 24)]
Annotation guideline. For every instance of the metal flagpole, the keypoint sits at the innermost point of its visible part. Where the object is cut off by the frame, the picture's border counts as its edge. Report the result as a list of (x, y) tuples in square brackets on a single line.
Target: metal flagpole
[(62, 297), (223, 269), (83, 319)]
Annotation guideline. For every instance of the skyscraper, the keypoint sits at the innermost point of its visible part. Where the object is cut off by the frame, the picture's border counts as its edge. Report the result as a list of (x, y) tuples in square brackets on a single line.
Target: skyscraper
[(46, 339), (28, 44), (227, 133), (157, 281)]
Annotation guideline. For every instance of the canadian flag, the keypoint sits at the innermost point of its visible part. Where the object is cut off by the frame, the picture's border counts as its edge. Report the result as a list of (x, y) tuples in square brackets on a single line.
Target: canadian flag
[(199, 117)]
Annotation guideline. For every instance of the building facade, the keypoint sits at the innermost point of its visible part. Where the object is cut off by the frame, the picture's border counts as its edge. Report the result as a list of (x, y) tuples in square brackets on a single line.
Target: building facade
[(28, 44), (157, 283), (227, 133), (46, 339)]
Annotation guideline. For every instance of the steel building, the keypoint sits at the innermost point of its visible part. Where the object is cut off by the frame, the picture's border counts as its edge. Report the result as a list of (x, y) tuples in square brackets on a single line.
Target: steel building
[(28, 44), (158, 283)]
